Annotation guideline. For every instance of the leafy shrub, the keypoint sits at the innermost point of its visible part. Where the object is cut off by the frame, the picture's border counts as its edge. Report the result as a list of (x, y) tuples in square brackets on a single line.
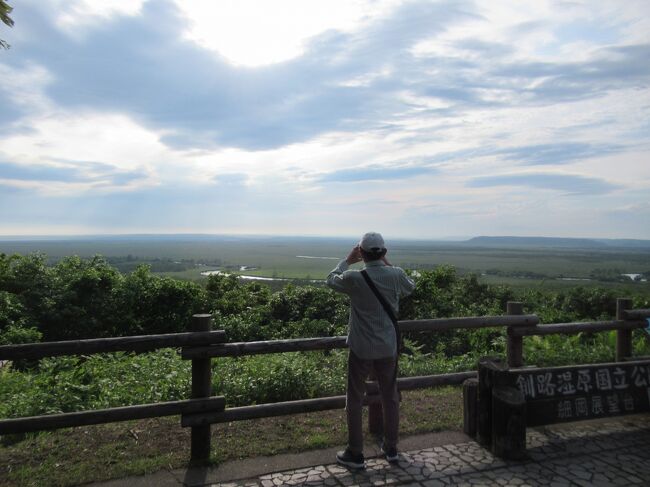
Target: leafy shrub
[(269, 378), (65, 384), (14, 334), (88, 298), (581, 348)]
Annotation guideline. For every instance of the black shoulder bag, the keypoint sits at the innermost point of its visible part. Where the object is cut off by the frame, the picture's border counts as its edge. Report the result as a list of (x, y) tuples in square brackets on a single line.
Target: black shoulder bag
[(387, 308)]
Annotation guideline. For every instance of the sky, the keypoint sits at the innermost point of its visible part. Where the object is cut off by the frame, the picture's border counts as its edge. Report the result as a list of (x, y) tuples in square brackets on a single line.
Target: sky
[(417, 119)]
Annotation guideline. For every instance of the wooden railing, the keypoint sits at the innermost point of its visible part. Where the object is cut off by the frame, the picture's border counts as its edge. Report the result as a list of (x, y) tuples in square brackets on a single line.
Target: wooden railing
[(201, 344)]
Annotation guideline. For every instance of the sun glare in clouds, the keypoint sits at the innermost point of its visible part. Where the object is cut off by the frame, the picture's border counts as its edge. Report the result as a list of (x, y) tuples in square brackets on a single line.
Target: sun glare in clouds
[(83, 141), (256, 33)]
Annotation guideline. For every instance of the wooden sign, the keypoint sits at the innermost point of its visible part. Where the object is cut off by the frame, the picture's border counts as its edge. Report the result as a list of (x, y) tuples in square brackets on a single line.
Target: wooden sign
[(559, 394)]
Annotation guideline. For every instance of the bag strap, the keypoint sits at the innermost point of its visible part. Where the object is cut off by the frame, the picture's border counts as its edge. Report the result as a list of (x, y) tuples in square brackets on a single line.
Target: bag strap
[(380, 297), (385, 305)]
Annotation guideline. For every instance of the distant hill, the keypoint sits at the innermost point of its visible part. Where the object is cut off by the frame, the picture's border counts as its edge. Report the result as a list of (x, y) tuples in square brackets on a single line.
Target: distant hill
[(626, 243), (573, 243)]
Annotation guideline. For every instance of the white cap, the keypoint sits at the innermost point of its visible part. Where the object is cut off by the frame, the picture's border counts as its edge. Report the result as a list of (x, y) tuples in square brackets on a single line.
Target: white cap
[(372, 242)]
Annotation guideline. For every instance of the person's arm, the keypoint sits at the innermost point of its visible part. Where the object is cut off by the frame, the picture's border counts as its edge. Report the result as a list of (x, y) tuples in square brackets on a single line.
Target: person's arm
[(336, 278), (406, 284)]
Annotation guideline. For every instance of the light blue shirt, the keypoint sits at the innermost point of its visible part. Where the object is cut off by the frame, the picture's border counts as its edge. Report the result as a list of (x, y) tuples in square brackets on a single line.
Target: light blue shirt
[(371, 334)]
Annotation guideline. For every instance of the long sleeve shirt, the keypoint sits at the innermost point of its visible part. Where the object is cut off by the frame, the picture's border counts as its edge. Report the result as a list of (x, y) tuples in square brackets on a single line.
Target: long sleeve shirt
[(371, 334)]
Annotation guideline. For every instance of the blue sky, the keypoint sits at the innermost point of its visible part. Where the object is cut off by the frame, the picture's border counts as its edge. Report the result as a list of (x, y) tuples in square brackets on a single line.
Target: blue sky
[(421, 119)]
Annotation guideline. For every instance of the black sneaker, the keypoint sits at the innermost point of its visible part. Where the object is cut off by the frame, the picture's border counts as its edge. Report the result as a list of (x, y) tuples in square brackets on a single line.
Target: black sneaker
[(351, 460), (390, 453)]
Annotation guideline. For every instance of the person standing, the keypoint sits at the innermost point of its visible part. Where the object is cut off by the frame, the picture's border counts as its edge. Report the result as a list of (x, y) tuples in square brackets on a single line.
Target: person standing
[(372, 340)]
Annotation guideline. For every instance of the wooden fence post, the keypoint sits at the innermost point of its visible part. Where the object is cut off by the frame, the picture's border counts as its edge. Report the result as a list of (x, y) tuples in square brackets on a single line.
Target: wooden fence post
[(623, 337), (470, 406), (515, 343), (487, 368), (201, 388), (508, 423)]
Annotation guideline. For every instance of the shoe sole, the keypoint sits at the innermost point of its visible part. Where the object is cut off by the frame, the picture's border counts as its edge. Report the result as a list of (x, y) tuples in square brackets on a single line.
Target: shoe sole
[(391, 459), (356, 466)]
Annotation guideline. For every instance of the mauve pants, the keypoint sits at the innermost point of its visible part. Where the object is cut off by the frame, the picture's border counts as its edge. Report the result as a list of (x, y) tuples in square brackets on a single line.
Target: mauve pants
[(358, 371)]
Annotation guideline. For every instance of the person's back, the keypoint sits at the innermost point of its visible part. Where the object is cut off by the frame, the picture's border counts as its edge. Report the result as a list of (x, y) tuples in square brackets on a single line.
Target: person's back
[(371, 332), (372, 339)]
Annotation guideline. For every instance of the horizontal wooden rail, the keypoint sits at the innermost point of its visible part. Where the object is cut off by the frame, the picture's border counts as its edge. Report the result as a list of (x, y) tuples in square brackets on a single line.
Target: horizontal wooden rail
[(83, 418), (238, 349), (636, 314), (203, 345), (569, 328), (141, 343), (421, 382), (445, 324), (636, 359), (264, 411), (317, 404)]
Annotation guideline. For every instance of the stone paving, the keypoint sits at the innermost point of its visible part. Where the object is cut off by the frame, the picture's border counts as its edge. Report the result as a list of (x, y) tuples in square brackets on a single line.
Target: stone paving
[(595, 453)]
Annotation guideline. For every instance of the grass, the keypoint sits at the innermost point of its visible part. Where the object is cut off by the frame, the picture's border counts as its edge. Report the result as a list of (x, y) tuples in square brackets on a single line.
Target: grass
[(103, 452), (279, 255)]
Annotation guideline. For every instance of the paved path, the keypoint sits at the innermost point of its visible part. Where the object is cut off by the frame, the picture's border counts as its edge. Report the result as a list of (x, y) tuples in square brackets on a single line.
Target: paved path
[(614, 452)]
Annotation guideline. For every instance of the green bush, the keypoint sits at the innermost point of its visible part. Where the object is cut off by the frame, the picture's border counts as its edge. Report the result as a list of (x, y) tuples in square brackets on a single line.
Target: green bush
[(79, 298), (65, 384), (570, 349), (88, 298), (261, 379), (14, 334)]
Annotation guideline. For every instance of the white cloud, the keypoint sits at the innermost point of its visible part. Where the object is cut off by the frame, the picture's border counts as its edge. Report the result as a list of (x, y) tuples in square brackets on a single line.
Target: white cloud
[(424, 97), (255, 33), (84, 141), (73, 16), (25, 86)]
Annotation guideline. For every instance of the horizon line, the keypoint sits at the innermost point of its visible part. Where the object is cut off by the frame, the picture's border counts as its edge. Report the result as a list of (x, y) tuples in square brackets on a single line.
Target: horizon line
[(270, 235)]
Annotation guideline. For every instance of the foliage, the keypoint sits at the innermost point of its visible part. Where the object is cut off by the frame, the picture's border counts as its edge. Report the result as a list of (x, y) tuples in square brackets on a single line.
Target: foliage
[(64, 384), (14, 335), (84, 298), (87, 298), (148, 304), (567, 349), (228, 296), (251, 312), (609, 275), (444, 293), (575, 304), (270, 378), (5, 10)]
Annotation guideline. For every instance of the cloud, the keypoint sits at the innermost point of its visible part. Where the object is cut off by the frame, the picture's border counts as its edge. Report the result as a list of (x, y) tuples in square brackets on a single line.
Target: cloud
[(374, 173), (560, 153), (125, 100), (10, 110), (71, 172), (143, 66), (611, 68), (231, 180), (567, 183)]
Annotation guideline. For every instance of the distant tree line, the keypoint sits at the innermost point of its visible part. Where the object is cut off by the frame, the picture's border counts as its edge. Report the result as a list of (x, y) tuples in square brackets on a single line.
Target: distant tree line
[(89, 298), (521, 274)]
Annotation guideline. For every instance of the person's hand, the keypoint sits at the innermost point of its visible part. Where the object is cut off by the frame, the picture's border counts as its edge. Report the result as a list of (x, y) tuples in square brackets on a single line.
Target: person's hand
[(385, 260), (354, 256)]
